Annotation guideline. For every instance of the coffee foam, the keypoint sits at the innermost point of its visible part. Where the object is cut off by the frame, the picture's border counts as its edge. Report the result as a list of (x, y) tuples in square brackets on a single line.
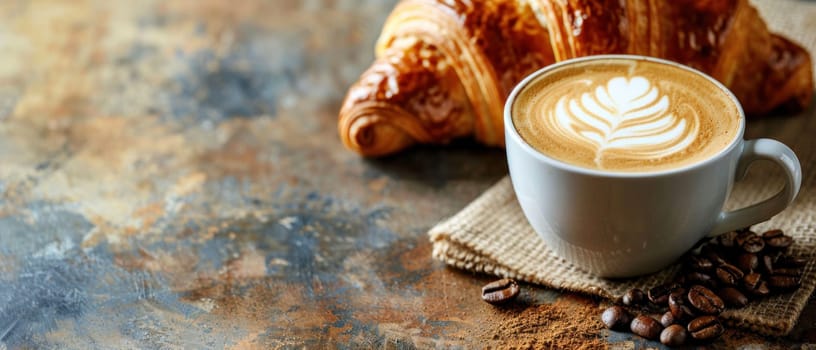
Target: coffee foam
[(625, 115)]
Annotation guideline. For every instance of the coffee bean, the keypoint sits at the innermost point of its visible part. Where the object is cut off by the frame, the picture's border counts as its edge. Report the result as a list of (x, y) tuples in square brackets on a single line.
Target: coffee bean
[(754, 284), (788, 271), (783, 283), (776, 239), (773, 233), (774, 254), (744, 229), (790, 261), (616, 318), (733, 297), (674, 335), (660, 295), (798, 272), (742, 237), (634, 297), (705, 301), (501, 291), (678, 306), (747, 262), (667, 319), (729, 274), (710, 253), (726, 240), (699, 264), (705, 328), (753, 244), (646, 327), (785, 266), (766, 264), (761, 290), (751, 280), (741, 263), (784, 279), (700, 278)]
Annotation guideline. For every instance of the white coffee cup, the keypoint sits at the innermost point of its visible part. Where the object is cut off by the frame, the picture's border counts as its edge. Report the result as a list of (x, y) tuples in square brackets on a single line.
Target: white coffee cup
[(620, 224)]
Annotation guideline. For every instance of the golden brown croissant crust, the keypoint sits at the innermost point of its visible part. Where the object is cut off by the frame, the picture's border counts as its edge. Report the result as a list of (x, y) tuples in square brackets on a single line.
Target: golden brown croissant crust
[(445, 67)]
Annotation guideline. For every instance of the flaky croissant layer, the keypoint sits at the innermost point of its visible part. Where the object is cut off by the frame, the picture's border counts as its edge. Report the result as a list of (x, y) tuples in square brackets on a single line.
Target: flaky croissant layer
[(444, 68)]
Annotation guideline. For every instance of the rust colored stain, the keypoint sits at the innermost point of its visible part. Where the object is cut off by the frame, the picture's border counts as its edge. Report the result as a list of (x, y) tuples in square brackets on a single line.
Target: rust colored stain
[(237, 157), (149, 214)]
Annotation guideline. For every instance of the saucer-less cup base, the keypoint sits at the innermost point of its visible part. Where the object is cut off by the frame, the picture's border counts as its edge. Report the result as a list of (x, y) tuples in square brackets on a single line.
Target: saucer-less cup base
[(628, 224)]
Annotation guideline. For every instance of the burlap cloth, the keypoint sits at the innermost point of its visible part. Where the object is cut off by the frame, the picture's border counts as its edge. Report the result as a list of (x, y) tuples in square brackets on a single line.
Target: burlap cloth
[(491, 235)]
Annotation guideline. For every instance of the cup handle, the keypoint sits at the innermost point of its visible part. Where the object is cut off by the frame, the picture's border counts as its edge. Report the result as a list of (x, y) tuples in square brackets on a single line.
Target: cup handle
[(780, 154)]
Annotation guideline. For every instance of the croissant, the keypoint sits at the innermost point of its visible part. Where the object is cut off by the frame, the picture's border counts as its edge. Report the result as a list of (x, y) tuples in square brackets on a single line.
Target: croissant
[(445, 67)]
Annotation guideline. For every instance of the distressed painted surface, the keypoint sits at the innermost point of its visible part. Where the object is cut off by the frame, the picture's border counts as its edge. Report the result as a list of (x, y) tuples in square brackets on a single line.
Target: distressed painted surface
[(171, 178)]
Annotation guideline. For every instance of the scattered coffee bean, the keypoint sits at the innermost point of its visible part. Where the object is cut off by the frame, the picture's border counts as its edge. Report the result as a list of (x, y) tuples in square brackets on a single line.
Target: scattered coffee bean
[(776, 239), (747, 262), (754, 244), (700, 278), (710, 253), (729, 274), (743, 237), (678, 306), (660, 295), (775, 255), (790, 261), (616, 318), (699, 264), (667, 319), (766, 264), (739, 266), (501, 291), (726, 240), (783, 282), (761, 290), (634, 297), (646, 327), (673, 335), (751, 280), (705, 328), (733, 297), (705, 301), (793, 272)]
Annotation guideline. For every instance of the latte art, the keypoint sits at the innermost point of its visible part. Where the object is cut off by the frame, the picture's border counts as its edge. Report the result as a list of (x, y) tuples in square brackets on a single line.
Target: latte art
[(625, 115)]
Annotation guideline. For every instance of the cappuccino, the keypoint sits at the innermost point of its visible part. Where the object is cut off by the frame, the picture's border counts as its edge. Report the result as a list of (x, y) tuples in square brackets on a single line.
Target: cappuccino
[(625, 115)]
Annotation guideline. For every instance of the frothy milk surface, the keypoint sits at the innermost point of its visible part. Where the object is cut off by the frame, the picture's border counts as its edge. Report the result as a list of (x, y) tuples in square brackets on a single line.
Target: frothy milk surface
[(625, 115)]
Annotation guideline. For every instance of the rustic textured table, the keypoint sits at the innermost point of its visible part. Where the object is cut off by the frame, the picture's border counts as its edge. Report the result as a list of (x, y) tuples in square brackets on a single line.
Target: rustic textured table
[(171, 177)]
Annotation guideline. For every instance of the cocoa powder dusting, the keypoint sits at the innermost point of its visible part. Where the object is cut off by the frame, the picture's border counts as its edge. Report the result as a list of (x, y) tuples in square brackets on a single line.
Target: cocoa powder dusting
[(571, 322)]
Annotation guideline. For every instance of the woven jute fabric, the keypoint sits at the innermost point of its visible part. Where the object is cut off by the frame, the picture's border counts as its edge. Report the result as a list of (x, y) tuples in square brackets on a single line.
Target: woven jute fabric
[(492, 236)]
